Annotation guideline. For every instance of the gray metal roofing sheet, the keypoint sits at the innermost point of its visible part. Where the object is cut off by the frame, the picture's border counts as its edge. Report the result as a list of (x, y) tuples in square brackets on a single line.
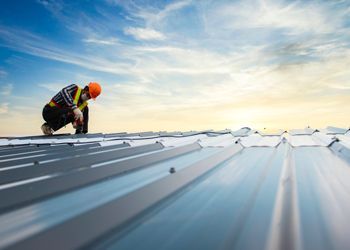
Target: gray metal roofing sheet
[(242, 132), (114, 134), (334, 130), (305, 131), (277, 132), (199, 190)]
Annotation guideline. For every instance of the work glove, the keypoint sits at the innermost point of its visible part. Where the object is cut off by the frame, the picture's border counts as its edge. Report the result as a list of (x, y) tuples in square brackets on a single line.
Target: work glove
[(74, 124), (78, 115)]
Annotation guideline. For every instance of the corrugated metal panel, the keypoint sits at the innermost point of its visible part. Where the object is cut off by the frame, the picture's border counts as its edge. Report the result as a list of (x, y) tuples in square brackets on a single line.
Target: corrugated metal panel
[(334, 130), (193, 190), (345, 139), (305, 131), (256, 140), (271, 132), (305, 140), (243, 132)]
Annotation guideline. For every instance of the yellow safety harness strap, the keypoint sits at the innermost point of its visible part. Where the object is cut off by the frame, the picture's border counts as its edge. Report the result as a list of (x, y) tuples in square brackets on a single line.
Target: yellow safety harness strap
[(52, 103), (83, 105), (77, 96)]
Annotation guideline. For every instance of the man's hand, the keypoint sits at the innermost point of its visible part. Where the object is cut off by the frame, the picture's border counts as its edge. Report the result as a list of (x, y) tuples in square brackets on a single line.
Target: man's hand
[(78, 115), (74, 124)]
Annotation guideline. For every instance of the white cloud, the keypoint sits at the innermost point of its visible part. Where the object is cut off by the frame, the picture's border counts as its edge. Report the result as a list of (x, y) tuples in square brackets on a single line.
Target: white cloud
[(4, 108), (208, 72), (230, 64), (53, 87), (35, 45), (144, 34), (6, 89), (152, 16), (112, 41), (194, 76), (94, 29), (297, 17), (164, 13)]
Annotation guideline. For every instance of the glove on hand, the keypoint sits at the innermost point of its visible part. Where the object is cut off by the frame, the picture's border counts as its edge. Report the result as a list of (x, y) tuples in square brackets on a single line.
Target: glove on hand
[(78, 115), (74, 124)]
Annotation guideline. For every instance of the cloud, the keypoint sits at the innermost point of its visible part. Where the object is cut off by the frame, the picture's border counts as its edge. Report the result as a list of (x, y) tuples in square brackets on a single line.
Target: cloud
[(152, 15), (144, 34), (6, 89), (140, 62), (162, 14), (4, 108), (3, 73), (240, 62), (111, 41), (296, 17), (53, 87), (35, 45), (92, 28), (54, 6)]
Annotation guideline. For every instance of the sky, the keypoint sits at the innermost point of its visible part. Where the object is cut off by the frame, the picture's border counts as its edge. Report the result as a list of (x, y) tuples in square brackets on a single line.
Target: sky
[(178, 65)]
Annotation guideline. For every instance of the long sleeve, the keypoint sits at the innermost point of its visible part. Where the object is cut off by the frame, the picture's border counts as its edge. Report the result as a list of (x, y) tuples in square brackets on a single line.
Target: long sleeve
[(67, 95)]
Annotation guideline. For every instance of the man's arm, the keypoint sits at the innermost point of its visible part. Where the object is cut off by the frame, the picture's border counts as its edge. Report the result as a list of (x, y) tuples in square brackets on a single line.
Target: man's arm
[(67, 95)]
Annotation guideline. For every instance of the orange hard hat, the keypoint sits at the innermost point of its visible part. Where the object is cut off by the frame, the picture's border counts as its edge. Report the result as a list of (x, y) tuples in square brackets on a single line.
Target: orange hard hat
[(94, 89)]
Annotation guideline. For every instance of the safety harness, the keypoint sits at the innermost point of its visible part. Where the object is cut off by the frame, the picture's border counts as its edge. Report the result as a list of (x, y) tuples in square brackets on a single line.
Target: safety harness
[(77, 94)]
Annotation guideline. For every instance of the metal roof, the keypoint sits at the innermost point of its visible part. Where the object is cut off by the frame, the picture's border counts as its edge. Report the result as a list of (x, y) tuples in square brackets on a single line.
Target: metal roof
[(242, 189)]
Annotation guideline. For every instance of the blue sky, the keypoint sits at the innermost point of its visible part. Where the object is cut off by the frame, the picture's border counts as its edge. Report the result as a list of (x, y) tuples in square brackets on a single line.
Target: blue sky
[(178, 65)]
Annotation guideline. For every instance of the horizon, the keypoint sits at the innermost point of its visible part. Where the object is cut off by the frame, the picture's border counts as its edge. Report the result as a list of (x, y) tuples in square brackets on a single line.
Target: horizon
[(178, 65)]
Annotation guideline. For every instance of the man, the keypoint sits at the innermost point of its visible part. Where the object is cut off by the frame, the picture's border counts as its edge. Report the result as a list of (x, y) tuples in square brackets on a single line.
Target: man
[(70, 106)]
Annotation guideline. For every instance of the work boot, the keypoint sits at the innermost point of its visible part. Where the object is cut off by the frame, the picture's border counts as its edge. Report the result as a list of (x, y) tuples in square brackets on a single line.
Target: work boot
[(79, 129), (47, 130)]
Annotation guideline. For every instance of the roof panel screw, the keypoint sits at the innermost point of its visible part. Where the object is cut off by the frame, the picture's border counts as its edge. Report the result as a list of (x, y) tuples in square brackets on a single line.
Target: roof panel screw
[(172, 170)]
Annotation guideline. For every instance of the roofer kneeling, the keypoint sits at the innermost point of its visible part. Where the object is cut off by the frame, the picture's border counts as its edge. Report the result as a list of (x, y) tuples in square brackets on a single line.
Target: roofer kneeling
[(70, 106)]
